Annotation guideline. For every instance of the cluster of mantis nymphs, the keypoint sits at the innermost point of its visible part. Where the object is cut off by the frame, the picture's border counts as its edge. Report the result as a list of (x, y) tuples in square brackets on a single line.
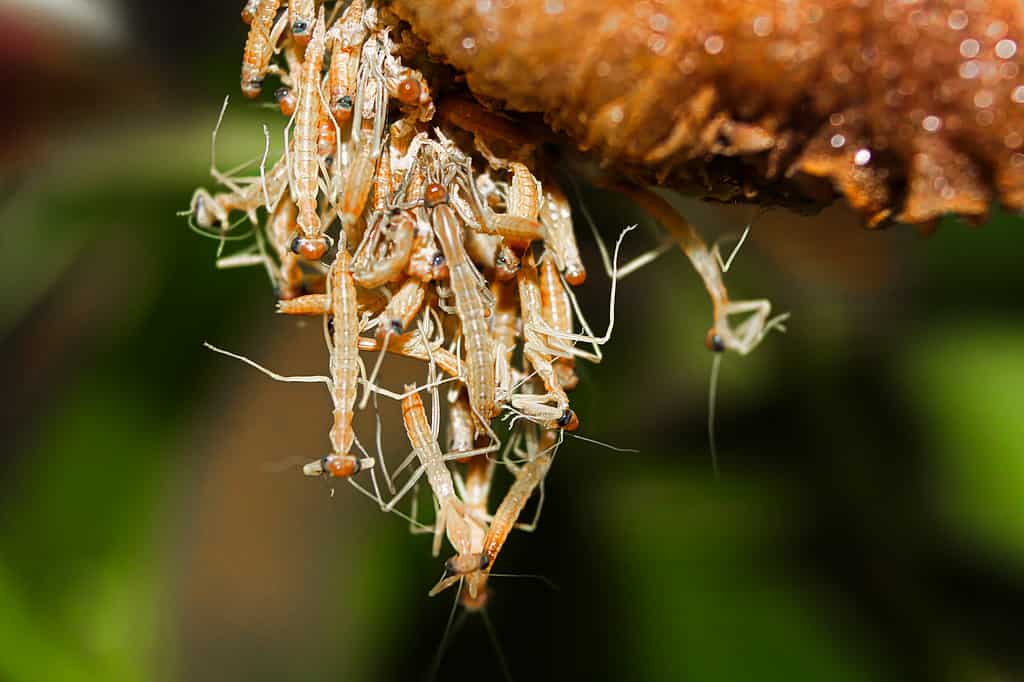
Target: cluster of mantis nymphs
[(444, 246)]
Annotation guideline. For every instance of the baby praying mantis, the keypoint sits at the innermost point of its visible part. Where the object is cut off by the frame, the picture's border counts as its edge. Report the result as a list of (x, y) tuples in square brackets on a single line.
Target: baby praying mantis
[(344, 365), (556, 310), (246, 194), (551, 409), (559, 234), (346, 38), (469, 303), (264, 32), (476, 567), (519, 222), (383, 256), (368, 122), (451, 513), (403, 307), (721, 336), (424, 437), (304, 158), (343, 346)]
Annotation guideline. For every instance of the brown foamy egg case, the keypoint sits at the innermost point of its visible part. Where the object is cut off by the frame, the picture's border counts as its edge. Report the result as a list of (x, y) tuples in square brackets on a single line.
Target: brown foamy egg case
[(908, 110)]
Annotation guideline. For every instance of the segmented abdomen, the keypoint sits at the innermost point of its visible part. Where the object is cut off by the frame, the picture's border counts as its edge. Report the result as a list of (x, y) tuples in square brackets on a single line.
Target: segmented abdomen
[(305, 168), (345, 354), (258, 48), (469, 304), (476, 338), (426, 447), (528, 478)]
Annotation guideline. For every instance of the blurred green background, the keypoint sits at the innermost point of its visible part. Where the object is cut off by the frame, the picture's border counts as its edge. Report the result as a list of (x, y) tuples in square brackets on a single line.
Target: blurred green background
[(866, 526)]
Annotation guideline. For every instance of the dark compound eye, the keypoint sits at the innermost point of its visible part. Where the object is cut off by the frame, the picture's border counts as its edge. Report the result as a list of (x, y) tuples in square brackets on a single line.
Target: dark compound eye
[(483, 562), (714, 342), (438, 259), (330, 325), (345, 102), (396, 327), (281, 93), (568, 421), (295, 245), (300, 26)]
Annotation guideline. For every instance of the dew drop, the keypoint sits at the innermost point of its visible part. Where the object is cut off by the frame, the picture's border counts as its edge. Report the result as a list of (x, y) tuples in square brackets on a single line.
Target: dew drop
[(837, 141), (657, 43), (1013, 140), (969, 69), (1006, 48), (983, 99), (1018, 94), (957, 19), (862, 157), (468, 43), (970, 48), (841, 73), (763, 26), (997, 29), (714, 44), (931, 123)]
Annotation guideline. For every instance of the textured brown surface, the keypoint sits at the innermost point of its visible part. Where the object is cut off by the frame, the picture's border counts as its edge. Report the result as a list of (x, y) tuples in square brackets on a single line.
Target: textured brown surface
[(909, 109)]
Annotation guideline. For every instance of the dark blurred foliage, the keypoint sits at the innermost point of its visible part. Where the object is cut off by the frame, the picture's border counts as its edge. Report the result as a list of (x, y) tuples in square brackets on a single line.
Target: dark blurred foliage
[(866, 524)]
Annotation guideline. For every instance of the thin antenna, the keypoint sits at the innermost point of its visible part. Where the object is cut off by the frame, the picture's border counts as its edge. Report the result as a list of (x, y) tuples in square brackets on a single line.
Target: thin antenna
[(604, 445), (435, 665), (502, 661), (601, 247)]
